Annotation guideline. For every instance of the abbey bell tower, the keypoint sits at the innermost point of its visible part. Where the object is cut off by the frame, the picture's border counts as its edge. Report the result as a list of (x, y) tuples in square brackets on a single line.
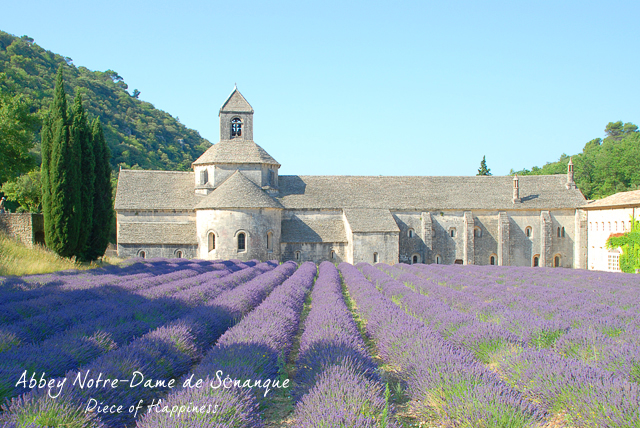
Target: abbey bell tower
[(236, 151), (236, 118)]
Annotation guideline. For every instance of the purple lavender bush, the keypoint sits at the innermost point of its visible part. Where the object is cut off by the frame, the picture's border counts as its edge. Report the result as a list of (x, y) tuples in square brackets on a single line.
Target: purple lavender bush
[(253, 350)]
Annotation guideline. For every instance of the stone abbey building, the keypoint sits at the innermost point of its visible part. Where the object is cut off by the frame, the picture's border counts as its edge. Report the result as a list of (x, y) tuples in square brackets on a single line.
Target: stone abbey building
[(235, 205)]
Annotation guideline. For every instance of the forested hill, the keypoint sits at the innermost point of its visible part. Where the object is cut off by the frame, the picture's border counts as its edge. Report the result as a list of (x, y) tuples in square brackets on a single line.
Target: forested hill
[(138, 134), (605, 166)]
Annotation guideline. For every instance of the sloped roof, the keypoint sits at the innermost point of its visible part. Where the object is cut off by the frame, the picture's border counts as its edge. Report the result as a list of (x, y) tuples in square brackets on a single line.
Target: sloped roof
[(155, 190), (621, 199), (157, 233), (328, 229), (238, 191), (426, 192), (236, 103), (235, 151), (370, 220), (175, 190)]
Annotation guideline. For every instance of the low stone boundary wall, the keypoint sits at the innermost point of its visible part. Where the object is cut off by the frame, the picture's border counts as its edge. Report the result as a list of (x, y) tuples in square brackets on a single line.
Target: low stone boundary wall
[(27, 228)]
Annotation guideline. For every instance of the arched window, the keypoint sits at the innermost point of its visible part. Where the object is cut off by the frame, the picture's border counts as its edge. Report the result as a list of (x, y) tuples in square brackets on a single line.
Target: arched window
[(556, 261), (493, 260), (477, 232), (536, 261), (375, 257), (212, 241), (269, 241), (452, 232), (438, 260), (242, 244), (179, 254), (332, 255), (562, 232), (415, 259), (558, 232), (411, 233), (236, 127), (297, 256), (142, 254), (528, 231)]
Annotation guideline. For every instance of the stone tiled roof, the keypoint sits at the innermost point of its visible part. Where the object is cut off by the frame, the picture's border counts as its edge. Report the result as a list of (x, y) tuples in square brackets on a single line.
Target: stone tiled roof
[(175, 190), (621, 199), (238, 191), (236, 103), (157, 233), (329, 229), (426, 193), (235, 151), (370, 220), (159, 190)]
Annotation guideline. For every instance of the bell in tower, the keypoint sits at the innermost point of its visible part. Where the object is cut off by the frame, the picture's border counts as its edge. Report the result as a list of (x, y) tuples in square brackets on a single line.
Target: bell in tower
[(236, 118)]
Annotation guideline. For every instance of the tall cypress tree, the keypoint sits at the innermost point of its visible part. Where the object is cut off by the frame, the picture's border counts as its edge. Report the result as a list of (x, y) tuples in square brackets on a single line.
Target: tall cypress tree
[(102, 196), (82, 141), (60, 167), (483, 170)]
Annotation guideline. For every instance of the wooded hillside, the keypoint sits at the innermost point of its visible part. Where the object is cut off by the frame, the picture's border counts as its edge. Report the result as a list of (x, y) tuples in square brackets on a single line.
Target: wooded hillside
[(605, 166), (137, 134)]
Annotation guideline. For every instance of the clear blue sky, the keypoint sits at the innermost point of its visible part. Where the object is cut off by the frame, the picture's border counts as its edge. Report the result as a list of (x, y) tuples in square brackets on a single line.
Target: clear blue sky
[(368, 87)]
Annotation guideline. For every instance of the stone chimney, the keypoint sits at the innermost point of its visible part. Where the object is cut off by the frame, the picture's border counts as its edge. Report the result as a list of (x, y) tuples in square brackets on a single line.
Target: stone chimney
[(570, 183), (516, 189)]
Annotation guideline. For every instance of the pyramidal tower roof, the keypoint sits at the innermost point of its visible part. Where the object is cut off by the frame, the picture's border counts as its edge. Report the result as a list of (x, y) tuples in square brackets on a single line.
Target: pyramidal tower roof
[(236, 103), (238, 191), (235, 151)]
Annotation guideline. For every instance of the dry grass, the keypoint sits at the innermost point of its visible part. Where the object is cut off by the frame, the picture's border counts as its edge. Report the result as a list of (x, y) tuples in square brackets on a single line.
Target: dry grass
[(17, 259)]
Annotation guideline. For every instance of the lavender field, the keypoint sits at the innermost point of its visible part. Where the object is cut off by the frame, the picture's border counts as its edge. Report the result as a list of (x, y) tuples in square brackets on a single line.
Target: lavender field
[(193, 343)]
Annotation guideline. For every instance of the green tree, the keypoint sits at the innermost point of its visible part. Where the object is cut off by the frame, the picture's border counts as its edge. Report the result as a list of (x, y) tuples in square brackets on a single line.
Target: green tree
[(80, 137), (630, 244), (102, 196), (617, 130), (483, 170), (605, 166), (26, 191), (60, 170), (17, 136)]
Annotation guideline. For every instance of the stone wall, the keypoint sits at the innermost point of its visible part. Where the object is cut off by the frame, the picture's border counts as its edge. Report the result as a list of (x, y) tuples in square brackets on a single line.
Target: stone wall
[(314, 251), (228, 223), (413, 243), (481, 235), (156, 250), (384, 244), (27, 228)]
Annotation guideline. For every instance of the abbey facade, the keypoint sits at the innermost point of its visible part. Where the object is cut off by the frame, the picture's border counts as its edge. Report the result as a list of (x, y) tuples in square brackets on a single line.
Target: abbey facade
[(235, 205)]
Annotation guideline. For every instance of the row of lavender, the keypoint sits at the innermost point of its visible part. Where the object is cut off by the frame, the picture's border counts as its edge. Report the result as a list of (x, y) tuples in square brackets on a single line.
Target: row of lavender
[(577, 319), (253, 352), (530, 350), (445, 383), (336, 381), (109, 329), (164, 353), (34, 318)]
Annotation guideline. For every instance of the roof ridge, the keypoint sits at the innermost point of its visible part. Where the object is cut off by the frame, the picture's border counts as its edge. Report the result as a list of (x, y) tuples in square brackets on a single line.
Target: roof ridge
[(156, 170), (238, 191)]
